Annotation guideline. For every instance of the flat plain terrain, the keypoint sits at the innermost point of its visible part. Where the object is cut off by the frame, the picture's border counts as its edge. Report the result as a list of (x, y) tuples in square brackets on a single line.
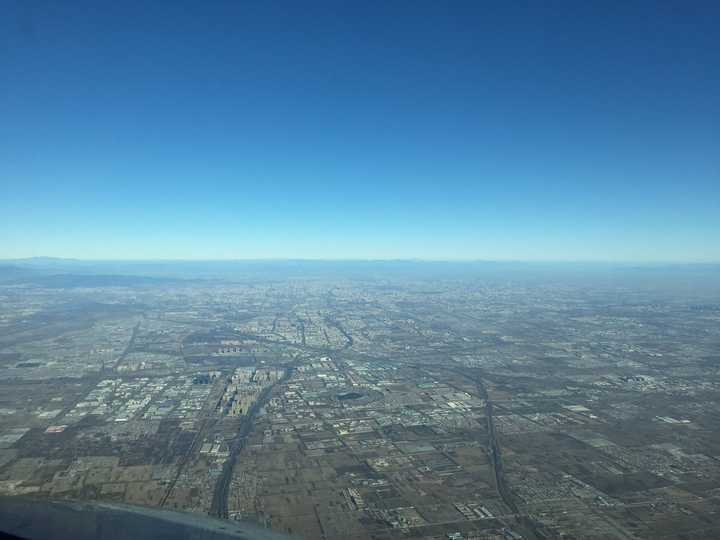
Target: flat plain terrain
[(372, 408)]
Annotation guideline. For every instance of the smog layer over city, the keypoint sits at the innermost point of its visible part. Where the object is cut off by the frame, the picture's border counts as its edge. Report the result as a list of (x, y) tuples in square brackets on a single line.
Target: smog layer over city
[(370, 400)]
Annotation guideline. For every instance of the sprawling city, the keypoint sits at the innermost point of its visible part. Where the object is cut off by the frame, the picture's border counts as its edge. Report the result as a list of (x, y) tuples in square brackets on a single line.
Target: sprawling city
[(372, 403), (360, 270)]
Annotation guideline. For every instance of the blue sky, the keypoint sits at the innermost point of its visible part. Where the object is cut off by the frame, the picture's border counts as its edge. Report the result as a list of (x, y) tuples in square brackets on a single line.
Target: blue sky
[(402, 129)]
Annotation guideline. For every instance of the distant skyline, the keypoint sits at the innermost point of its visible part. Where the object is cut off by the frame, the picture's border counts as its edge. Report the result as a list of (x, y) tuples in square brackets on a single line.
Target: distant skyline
[(528, 131)]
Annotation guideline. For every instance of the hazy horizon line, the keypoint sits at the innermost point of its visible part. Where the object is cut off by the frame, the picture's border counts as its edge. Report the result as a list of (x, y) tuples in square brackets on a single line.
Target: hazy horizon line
[(39, 258)]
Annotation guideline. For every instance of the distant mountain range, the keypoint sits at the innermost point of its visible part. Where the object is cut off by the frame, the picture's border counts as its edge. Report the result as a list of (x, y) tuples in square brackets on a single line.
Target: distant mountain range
[(67, 273)]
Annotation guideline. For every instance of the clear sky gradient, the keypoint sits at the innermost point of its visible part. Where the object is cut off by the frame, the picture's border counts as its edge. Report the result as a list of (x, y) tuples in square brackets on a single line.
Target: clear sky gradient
[(396, 129)]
